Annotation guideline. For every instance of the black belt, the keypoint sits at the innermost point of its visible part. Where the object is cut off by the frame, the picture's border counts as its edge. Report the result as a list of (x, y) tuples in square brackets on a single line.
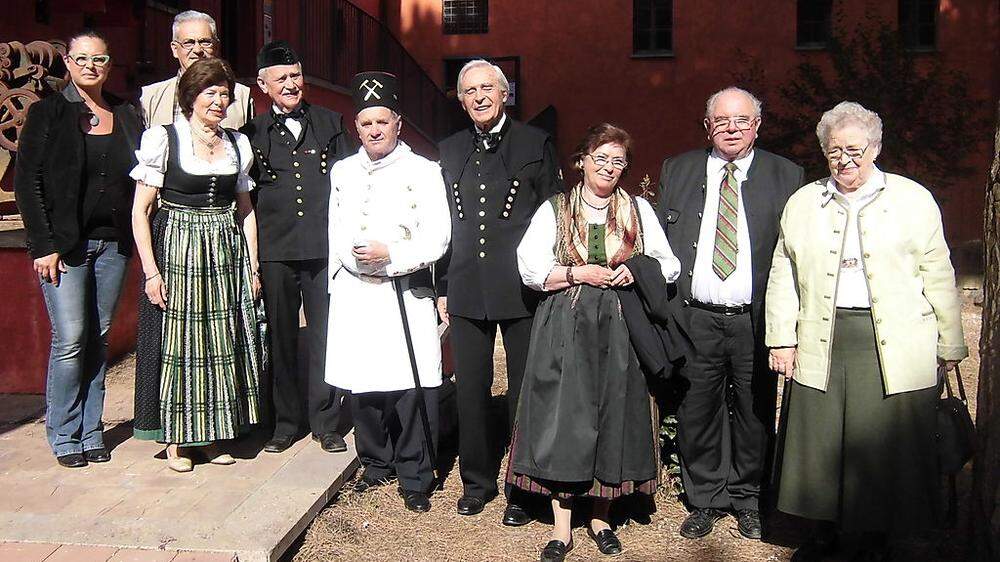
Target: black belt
[(721, 308)]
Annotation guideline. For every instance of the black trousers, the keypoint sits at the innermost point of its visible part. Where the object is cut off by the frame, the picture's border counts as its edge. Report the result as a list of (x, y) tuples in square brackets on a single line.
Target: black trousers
[(299, 397), (722, 435), (480, 448), (389, 436)]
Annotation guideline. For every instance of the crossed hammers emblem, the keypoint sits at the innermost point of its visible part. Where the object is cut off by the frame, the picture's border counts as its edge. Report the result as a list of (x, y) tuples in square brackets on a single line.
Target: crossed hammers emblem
[(371, 89)]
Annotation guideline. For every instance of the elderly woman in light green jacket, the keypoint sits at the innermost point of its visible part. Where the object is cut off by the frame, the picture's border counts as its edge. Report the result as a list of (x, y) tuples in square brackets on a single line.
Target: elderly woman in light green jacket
[(861, 309)]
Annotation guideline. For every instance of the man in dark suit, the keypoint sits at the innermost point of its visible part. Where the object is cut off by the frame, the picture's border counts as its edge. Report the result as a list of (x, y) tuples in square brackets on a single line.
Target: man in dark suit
[(720, 209), (295, 145), (497, 172)]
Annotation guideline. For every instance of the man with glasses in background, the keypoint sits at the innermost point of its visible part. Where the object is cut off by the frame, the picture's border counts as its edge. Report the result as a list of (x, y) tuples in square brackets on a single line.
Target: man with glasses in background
[(720, 209), (194, 37)]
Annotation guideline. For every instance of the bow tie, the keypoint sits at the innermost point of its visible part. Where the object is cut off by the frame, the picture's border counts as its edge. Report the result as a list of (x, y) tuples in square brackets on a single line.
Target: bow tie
[(298, 113), (491, 140)]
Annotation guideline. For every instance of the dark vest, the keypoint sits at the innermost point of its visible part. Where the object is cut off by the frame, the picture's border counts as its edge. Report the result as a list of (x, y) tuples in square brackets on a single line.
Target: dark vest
[(190, 190), (493, 195), (293, 183)]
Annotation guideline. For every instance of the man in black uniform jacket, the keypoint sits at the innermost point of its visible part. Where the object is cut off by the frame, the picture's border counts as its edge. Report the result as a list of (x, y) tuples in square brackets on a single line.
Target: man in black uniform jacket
[(295, 145), (720, 209), (497, 172)]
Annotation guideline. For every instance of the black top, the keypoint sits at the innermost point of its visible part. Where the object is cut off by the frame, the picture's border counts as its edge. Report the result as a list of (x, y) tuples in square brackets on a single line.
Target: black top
[(49, 176), (192, 190), (770, 181), (105, 172), (493, 193), (293, 182)]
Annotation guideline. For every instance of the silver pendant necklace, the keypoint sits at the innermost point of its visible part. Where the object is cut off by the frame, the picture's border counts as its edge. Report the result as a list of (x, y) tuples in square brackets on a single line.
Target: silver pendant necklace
[(94, 119)]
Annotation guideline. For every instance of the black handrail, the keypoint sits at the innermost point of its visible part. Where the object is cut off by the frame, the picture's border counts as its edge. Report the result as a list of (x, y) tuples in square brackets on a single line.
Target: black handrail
[(338, 40)]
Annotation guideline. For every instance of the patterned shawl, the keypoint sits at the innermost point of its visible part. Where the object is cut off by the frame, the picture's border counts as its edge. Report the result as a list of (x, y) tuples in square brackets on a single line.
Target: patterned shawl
[(623, 236)]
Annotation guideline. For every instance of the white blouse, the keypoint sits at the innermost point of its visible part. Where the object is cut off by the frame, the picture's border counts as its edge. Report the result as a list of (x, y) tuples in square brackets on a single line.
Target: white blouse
[(154, 146), (536, 253)]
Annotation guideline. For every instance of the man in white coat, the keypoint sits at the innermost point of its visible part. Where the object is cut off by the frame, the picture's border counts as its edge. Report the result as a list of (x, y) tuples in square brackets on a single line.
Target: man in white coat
[(389, 219)]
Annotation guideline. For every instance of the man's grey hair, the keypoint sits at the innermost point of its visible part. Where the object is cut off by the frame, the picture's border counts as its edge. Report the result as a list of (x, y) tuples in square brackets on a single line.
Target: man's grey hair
[(262, 73), (480, 63), (193, 15), (849, 113), (714, 98)]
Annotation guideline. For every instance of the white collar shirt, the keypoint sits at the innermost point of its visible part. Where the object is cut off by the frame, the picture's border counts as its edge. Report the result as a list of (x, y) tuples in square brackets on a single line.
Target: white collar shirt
[(294, 126), (496, 128), (706, 286), (852, 287)]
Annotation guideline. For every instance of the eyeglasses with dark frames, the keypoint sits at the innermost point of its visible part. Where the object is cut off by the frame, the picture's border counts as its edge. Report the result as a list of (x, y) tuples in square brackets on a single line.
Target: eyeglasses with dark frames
[(206, 43)]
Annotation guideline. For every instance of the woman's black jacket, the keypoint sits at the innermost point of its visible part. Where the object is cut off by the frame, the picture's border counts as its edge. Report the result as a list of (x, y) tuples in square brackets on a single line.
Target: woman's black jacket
[(49, 173)]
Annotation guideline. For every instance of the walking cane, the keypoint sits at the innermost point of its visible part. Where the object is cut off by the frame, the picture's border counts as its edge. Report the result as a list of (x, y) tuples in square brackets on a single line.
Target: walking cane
[(421, 405)]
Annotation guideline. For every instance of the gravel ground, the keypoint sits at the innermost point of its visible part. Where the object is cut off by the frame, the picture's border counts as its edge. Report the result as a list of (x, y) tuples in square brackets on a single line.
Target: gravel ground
[(375, 526)]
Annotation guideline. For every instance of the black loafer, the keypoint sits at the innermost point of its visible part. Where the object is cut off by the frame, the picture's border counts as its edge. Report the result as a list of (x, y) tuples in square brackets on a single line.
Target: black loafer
[(279, 444), (607, 542), (700, 522), (417, 502), (97, 455), (72, 460), (331, 442), (515, 516), (556, 551), (470, 505), (748, 523)]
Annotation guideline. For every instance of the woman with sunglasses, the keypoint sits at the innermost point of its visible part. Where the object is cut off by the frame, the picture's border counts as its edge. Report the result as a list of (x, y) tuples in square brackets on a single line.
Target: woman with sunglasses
[(861, 309), (584, 427), (74, 193)]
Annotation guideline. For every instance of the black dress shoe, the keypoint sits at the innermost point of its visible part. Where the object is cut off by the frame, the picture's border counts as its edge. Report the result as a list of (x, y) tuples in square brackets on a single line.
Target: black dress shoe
[(415, 501), (97, 455), (556, 551), (331, 442), (470, 505), (278, 444), (72, 460), (700, 522), (607, 541), (748, 523), (515, 516)]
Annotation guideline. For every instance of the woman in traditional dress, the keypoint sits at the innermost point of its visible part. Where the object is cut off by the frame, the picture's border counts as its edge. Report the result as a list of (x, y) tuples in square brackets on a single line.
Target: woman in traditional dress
[(584, 426), (199, 350), (74, 193), (861, 310)]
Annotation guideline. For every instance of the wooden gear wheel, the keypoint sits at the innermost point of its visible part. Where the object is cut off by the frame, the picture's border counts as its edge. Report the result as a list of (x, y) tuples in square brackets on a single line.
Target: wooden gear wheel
[(14, 105)]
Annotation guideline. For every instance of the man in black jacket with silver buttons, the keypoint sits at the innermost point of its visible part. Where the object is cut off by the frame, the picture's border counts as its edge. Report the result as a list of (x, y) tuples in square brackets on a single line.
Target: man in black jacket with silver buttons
[(295, 145), (498, 172)]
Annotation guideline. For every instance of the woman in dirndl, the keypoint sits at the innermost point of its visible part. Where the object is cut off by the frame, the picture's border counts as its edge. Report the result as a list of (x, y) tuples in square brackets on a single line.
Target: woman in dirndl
[(584, 425), (199, 351)]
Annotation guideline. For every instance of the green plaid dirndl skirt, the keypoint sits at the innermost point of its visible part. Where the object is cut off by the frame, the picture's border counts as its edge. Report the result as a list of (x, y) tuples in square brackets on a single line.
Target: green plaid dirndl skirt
[(199, 362)]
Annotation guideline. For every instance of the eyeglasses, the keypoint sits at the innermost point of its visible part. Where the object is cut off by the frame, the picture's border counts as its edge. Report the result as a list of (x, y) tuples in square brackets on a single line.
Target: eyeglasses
[(742, 122), (836, 154), (206, 43), (601, 161), (100, 61)]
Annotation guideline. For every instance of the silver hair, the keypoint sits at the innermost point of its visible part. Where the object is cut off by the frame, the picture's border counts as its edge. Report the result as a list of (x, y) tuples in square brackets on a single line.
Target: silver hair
[(849, 113), (261, 73), (714, 98), (479, 63), (193, 15)]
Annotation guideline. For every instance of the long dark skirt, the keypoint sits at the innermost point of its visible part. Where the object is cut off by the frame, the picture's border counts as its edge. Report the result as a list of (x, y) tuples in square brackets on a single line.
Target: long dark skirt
[(198, 364), (584, 420), (853, 455)]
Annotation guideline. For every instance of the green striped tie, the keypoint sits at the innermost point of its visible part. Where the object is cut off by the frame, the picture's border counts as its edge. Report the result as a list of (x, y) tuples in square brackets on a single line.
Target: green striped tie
[(724, 256)]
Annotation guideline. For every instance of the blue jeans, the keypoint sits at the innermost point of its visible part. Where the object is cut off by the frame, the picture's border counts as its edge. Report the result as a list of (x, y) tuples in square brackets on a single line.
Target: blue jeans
[(80, 311)]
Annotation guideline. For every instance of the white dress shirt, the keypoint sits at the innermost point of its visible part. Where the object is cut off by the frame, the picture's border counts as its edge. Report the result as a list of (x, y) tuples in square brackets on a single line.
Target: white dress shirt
[(852, 287), (293, 125), (536, 253), (496, 128), (706, 286)]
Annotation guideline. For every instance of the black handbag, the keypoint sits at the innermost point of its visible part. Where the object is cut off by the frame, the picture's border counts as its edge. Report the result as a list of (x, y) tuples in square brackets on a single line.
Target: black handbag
[(956, 433)]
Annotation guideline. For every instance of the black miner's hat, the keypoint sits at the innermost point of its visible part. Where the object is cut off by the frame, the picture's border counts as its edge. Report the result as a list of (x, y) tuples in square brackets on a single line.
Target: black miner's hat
[(375, 89), (276, 53)]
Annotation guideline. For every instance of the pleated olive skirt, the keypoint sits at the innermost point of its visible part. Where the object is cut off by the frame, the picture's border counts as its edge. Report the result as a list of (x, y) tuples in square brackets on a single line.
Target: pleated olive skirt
[(853, 455)]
